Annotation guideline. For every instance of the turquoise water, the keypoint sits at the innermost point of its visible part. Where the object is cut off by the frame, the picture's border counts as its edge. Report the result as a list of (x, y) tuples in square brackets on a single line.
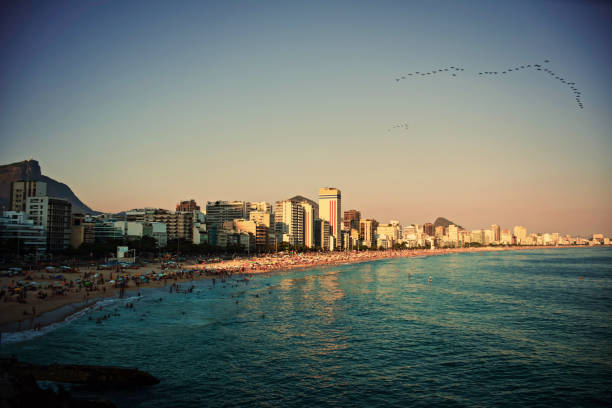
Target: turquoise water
[(506, 329)]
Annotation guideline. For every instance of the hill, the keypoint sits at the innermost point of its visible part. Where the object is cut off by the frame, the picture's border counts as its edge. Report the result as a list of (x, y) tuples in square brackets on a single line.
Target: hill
[(30, 170), (441, 221)]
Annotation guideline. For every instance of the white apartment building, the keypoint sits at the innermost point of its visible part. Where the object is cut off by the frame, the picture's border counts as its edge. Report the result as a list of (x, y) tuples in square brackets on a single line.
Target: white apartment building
[(330, 210), (54, 215), (289, 222)]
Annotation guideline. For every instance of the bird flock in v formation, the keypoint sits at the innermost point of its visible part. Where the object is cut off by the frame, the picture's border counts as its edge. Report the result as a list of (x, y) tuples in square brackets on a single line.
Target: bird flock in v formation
[(454, 71)]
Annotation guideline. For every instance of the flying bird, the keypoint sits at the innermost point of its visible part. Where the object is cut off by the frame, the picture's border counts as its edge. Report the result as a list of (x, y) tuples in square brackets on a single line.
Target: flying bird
[(537, 67)]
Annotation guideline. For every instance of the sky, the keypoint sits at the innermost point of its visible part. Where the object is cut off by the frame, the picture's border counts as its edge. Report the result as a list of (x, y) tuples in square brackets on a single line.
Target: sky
[(146, 103)]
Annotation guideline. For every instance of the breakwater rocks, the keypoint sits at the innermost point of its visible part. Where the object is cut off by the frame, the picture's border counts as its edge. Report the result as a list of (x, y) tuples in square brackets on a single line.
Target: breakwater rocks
[(18, 387)]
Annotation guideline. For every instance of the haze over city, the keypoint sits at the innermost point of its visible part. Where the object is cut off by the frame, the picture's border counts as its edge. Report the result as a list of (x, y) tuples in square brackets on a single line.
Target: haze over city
[(145, 104)]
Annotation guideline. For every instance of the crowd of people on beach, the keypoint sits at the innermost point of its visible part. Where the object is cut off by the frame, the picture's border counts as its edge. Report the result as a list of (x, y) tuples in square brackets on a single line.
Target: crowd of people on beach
[(91, 282)]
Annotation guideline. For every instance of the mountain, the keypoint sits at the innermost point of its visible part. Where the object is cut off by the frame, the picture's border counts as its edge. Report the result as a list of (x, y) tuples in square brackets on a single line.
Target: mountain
[(302, 199), (30, 170), (441, 221)]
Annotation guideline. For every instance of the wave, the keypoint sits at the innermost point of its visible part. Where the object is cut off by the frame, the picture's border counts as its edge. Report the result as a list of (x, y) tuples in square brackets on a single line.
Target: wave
[(26, 335)]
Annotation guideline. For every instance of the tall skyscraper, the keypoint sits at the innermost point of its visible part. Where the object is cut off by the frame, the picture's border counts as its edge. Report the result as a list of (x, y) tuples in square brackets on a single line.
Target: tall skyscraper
[(496, 232), (428, 228), (311, 212), (330, 210)]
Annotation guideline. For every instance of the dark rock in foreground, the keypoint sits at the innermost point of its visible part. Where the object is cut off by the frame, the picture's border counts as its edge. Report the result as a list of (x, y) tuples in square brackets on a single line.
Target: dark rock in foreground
[(18, 387), (83, 374)]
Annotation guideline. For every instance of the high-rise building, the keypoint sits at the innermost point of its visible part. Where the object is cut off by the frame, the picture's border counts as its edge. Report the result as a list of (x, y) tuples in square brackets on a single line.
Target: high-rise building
[(367, 232), (520, 233), (262, 237), (264, 220), (505, 237), (289, 222), (218, 212), (189, 206), (311, 213), (21, 190), (496, 232), (308, 228), (453, 234), (179, 225), (409, 232), (330, 209), (477, 236), (321, 234), (428, 228), (351, 220), (317, 232), (389, 232), (411, 235), (200, 234), (54, 214), (326, 235)]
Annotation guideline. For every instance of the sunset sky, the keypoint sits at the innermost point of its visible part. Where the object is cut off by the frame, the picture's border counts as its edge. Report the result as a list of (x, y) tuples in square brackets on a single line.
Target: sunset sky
[(136, 104)]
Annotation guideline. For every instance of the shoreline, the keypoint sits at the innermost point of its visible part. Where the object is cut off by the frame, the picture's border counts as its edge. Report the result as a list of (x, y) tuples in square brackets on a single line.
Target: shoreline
[(62, 309)]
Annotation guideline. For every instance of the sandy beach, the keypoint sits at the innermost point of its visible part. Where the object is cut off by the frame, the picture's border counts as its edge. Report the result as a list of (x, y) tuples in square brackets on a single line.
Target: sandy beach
[(68, 295)]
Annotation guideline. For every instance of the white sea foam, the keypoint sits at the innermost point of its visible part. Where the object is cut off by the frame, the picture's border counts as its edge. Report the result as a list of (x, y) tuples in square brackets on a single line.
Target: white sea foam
[(26, 335)]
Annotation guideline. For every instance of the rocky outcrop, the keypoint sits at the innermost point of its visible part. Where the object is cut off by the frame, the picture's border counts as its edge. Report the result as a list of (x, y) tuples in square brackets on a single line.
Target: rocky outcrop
[(30, 170), (19, 389), (84, 374)]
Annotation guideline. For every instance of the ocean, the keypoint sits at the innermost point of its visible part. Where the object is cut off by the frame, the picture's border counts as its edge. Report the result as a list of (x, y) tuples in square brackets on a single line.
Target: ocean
[(516, 328)]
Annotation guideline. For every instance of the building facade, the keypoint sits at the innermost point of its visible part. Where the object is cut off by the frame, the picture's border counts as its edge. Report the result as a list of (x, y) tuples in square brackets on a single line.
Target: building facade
[(351, 220), (289, 222), (367, 232), (188, 205), (22, 190), (496, 232), (18, 230), (520, 233), (330, 210), (54, 214)]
